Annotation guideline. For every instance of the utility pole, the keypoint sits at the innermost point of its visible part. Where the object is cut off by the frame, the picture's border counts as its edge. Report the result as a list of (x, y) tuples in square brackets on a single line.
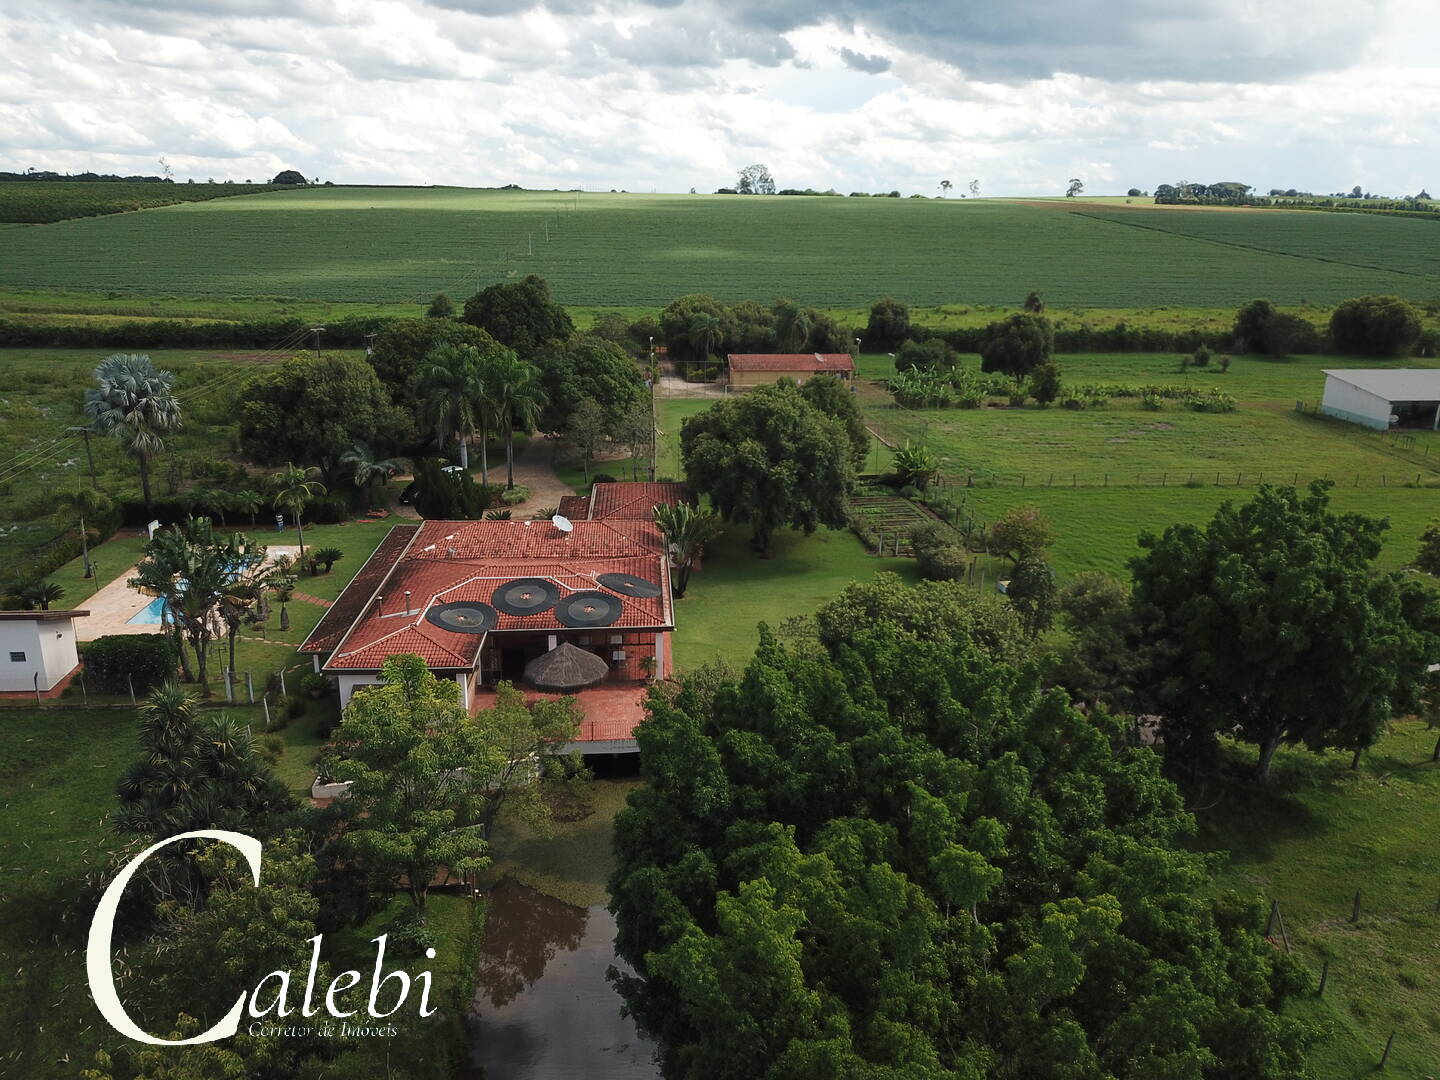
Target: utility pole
[(89, 457), (317, 331), (370, 343)]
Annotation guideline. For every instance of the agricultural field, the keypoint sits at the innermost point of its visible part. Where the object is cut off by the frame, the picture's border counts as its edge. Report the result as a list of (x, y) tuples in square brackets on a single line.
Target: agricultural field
[(406, 244), (48, 201)]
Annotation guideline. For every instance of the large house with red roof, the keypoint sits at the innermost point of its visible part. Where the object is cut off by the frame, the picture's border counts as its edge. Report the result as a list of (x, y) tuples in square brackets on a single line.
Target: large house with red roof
[(579, 604), (761, 369)]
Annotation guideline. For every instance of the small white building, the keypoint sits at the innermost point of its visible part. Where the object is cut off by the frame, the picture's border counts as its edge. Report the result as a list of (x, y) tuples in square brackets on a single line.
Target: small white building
[(37, 649), (1384, 398)]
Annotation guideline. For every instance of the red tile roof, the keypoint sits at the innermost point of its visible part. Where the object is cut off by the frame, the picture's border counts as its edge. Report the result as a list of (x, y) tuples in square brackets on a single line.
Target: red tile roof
[(341, 614), (454, 561), (574, 507), (781, 362), (632, 502)]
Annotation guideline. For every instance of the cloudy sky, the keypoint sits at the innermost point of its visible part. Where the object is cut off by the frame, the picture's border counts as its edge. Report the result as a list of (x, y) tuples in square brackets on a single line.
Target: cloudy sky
[(664, 95)]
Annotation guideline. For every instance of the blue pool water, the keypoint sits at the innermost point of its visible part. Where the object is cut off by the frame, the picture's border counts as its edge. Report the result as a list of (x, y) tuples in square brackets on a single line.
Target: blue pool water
[(151, 613)]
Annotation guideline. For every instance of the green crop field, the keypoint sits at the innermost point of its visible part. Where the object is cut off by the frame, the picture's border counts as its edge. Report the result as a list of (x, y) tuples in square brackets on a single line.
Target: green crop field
[(1360, 241), (41, 202), (398, 244)]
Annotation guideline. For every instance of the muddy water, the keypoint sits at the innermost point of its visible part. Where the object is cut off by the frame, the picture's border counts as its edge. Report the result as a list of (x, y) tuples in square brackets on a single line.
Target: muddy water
[(543, 1009)]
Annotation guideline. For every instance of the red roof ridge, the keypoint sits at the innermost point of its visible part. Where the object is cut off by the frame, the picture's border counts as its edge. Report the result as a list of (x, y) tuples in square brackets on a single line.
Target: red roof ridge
[(338, 609)]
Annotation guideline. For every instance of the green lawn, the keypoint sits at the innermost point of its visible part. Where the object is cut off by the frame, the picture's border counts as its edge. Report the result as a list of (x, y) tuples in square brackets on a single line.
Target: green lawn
[(406, 244), (735, 590), (57, 785), (1096, 529), (1319, 833)]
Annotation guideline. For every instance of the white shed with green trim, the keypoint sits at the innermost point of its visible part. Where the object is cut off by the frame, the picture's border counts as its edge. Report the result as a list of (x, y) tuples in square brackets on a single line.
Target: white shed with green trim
[(1384, 398)]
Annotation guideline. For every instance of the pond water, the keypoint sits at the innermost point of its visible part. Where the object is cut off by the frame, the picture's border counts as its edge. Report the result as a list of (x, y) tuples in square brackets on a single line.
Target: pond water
[(543, 1008)]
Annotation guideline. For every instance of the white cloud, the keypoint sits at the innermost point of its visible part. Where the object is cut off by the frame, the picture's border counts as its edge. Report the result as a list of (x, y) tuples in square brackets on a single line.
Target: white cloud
[(633, 94)]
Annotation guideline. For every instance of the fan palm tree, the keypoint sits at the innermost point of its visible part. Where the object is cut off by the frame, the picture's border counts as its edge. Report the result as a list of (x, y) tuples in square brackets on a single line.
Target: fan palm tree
[(519, 397), (448, 388), (687, 531), (291, 489), (42, 593), (135, 404), (72, 508)]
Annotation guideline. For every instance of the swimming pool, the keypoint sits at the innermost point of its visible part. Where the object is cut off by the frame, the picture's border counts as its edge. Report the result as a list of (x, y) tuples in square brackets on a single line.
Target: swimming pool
[(151, 614)]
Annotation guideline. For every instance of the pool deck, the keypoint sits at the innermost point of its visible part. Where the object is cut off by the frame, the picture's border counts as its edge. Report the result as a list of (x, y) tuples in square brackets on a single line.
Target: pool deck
[(115, 604)]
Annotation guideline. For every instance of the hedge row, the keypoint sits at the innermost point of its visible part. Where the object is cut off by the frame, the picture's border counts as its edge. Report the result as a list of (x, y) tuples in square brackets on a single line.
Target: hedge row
[(180, 334)]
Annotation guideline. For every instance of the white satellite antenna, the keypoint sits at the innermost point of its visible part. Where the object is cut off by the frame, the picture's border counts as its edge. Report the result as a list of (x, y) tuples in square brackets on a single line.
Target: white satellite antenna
[(562, 523)]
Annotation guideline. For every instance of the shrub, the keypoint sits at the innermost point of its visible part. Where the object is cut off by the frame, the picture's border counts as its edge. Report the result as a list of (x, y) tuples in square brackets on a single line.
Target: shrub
[(1017, 345), (498, 515), (314, 684), (932, 355), (147, 659), (939, 554), (296, 707), (602, 478), (1201, 358), (272, 748), (1045, 383), (410, 935), (515, 496), (327, 556), (1152, 402)]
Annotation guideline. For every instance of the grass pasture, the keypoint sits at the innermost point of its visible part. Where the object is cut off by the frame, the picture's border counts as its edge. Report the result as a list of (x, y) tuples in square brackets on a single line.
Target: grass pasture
[(406, 244), (1310, 840)]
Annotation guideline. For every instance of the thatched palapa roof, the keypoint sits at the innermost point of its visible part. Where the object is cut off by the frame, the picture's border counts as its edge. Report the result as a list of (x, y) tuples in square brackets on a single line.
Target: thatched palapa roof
[(565, 667)]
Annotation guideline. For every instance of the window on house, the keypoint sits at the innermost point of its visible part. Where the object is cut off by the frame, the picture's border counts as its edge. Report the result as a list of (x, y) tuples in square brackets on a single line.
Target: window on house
[(17, 657)]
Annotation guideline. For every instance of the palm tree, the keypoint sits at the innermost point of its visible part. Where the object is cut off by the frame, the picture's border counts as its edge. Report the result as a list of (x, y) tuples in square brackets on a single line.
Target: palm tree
[(292, 488), (519, 397), (687, 531), (704, 333), (945, 187), (43, 593), (244, 593), (365, 468), (248, 502), (448, 388), (792, 325), (134, 403), (489, 416), (73, 508), (190, 569)]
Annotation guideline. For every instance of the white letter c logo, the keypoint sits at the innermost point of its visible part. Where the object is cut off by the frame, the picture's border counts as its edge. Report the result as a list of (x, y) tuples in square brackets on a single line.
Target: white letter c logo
[(97, 951)]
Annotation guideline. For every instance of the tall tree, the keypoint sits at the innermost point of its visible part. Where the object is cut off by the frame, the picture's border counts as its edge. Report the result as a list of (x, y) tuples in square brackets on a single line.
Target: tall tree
[(401, 345), (687, 531), (519, 315), (1075, 187), (889, 323), (792, 325), (312, 410), (586, 432), (770, 458), (945, 186), (135, 404), (587, 368), (887, 853), (755, 180), (195, 771), (189, 567), (83, 509), (1017, 345), (1271, 622), (519, 398), (449, 387), (705, 333), (522, 743), (417, 770), (834, 397), (291, 489)]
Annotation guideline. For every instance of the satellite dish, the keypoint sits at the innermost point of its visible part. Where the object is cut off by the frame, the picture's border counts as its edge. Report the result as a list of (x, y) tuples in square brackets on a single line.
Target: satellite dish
[(562, 523)]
